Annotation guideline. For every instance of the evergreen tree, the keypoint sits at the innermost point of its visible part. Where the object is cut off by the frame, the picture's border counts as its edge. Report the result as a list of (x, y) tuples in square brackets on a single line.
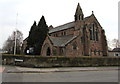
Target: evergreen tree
[(31, 40), (37, 36), (41, 33)]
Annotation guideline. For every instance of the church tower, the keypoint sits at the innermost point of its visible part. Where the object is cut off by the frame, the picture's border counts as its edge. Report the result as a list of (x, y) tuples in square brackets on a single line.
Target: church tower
[(79, 16)]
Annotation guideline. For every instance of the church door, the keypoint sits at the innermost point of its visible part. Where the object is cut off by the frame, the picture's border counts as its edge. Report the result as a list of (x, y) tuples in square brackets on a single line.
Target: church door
[(48, 52)]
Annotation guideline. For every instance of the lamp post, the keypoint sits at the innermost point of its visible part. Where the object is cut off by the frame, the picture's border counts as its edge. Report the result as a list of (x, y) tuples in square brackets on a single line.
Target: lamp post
[(15, 42), (15, 45)]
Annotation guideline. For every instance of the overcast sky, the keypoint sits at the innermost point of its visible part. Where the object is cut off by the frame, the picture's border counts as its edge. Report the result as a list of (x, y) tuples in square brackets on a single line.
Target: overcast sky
[(56, 12)]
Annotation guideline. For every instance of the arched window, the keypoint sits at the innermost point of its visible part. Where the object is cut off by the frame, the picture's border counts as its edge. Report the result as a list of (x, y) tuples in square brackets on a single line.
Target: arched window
[(79, 17), (54, 52), (61, 51), (93, 32), (74, 46), (95, 52), (97, 35), (90, 34)]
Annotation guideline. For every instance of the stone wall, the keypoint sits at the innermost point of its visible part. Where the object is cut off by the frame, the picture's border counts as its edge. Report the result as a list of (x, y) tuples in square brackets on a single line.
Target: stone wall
[(59, 61)]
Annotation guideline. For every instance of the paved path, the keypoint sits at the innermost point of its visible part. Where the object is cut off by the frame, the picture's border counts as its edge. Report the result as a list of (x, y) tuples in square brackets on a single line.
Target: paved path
[(2, 69), (67, 69)]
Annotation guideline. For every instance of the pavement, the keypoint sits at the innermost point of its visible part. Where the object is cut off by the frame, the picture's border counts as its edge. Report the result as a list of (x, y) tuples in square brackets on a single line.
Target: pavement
[(18, 69)]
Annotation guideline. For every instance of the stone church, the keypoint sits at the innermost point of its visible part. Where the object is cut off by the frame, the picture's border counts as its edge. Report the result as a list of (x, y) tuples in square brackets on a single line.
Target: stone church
[(82, 37)]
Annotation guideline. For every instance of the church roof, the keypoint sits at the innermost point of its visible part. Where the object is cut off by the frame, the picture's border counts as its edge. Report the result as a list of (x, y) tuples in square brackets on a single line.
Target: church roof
[(62, 27), (62, 41), (66, 26)]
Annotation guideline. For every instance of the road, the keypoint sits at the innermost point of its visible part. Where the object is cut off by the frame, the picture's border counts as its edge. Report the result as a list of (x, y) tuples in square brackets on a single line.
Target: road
[(78, 76)]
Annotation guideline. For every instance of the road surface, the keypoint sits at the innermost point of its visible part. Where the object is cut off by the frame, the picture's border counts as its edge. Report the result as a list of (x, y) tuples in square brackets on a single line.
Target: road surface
[(75, 76)]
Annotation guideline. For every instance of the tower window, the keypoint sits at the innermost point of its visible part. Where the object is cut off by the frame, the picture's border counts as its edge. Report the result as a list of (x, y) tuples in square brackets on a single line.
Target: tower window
[(82, 17), (75, 17)]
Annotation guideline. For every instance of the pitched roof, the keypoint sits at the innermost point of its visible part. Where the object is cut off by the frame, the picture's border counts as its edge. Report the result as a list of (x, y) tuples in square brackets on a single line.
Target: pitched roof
[(92, 15), (61, 41), (62, 27), (116, 49), (68, 25)]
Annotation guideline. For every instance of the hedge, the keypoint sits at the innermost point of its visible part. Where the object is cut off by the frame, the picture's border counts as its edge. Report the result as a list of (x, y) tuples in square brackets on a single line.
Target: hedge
[(59, 61)]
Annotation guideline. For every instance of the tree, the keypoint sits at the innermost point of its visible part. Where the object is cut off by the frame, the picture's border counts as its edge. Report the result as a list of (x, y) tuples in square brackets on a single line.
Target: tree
[(31, 38), (37, 36), (8, 45), (116, 43), (10, 42), (109, 44), (42, 33)]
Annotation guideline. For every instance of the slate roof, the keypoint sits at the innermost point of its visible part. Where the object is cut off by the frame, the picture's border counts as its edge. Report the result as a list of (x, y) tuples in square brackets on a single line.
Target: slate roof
[(66, 26), (62, 27), (62, 41)]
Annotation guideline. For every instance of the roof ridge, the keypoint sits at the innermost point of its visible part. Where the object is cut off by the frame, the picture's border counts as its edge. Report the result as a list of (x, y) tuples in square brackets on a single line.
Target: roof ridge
[(64, 24), (62, 27)]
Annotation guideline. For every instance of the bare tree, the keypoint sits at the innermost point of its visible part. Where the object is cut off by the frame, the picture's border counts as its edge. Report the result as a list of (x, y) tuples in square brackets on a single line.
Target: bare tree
[(116, 43), (109, 44), (10, 42)]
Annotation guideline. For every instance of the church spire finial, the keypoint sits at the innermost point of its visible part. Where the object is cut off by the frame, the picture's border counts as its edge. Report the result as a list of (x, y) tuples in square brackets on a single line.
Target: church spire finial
[(79, 14), (78, 9), (92, 12)]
